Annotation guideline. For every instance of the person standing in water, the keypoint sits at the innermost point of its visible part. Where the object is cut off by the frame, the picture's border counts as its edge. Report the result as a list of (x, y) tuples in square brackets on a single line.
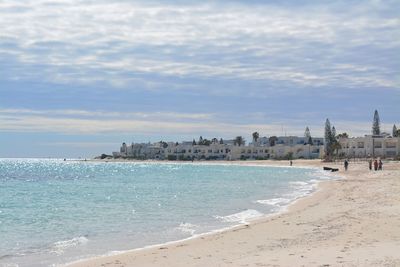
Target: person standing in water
[(375, 165), (370, 164), (380, 164), (346, 164)]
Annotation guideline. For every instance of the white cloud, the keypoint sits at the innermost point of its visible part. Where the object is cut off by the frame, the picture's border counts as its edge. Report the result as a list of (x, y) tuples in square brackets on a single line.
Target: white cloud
[(159, 124), (102, 41), (106, 114)]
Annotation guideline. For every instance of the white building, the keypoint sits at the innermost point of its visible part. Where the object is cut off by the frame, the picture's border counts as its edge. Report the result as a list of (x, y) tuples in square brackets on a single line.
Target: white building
[(383, 146), (283, 148)]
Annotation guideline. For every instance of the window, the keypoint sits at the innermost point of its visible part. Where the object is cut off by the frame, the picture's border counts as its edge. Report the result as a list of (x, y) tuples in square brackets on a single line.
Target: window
[(360, 144), (378, 144), (390, 145), (390, 153)]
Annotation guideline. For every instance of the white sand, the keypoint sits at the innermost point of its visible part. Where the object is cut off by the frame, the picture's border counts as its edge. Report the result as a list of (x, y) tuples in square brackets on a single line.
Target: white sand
[(349, 222)]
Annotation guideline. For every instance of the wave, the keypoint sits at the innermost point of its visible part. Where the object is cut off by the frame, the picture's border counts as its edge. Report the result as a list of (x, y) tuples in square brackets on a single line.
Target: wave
[(242, 217), (280, 201), (59, 247), (298, 183), (187, 228)]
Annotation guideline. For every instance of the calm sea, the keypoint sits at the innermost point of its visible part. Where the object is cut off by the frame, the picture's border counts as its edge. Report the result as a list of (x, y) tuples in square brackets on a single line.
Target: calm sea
[(53, 212)]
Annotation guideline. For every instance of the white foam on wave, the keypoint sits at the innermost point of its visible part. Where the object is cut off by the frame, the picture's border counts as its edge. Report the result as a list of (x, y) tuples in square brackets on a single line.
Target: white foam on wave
[(302, 189), (59, 247), (299, 190), (279, 201), (298, 183), (187, 228), (242, 217)]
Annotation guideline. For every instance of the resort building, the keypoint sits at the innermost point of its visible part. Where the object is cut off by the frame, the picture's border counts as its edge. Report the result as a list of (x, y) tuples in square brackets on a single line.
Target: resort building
[(282, 148), (383, 146), (378, 144)]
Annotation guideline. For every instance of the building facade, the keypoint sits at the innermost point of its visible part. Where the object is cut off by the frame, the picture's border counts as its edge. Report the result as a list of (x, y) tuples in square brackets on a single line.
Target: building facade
[(283, 148), (382, 146)]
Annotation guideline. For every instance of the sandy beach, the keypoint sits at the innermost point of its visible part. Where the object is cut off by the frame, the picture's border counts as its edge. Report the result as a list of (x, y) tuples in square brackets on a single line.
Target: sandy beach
[(352, 221)]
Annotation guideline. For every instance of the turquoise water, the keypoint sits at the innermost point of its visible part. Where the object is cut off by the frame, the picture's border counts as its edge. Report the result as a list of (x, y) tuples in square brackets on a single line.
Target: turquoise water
[(53, 212)]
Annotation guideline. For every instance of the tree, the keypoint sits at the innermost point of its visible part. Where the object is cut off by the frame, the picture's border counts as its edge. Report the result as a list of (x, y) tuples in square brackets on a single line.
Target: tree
[(206, 142), (333, 132), (256, 135), (214, 141), (221, 141), (328, 138), (200, 140), (239, 141), (164, 144), (342, 135), (307, 136), (394, 133), (272, 140), (376, 124), (307, 133), (289, 156), (194, 142), (335, 147)]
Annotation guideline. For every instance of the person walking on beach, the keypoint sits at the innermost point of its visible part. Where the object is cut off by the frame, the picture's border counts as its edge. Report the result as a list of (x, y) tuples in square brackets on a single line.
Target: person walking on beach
[(380, 164), (291, 163), (346, 164), (375, 165), (370, 164)]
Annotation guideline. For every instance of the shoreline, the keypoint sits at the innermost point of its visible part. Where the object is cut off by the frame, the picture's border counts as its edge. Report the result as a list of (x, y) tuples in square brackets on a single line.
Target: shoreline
[(206, 249), (282, 210), (304, 164)]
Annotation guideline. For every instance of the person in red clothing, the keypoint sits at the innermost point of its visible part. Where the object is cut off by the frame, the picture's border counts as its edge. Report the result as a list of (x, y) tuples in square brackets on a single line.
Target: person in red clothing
[(375, 165)]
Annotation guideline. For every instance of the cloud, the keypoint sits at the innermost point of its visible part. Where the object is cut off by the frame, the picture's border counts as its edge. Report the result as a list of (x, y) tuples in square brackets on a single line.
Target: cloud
[(120, 42), (156, 125), (74, 113), (86, 145)]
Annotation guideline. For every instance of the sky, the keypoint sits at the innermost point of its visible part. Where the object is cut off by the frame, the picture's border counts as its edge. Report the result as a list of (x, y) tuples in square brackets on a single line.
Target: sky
[(79, 77)]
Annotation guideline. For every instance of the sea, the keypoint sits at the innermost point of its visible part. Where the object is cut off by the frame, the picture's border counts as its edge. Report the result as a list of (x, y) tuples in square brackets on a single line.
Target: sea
[(53, 212)]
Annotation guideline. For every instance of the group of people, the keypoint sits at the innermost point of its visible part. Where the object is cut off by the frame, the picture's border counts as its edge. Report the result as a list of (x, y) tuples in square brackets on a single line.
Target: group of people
[(378, 164)]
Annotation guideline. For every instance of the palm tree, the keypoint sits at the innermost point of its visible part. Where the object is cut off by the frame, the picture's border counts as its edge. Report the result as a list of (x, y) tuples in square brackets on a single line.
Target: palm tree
[(342, 135), (272, 140), (239, 141), (256, 135)]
